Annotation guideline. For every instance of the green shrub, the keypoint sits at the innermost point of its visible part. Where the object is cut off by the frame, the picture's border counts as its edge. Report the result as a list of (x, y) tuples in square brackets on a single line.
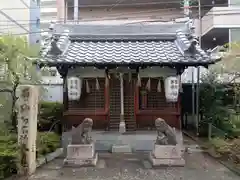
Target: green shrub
[(218, 106), (50, 113), (8, 155), (8, 166), (47, 142)]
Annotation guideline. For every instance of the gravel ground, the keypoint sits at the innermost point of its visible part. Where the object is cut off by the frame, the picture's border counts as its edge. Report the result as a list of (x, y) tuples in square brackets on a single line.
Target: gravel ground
[(199, 166), (135, 167)]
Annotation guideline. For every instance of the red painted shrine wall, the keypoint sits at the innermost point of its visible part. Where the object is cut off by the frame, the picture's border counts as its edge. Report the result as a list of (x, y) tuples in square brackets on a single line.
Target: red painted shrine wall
[(148, 107), (93, 104)]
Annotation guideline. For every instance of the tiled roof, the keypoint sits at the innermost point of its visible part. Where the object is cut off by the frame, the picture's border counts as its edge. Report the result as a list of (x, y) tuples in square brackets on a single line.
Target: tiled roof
[(129, 48), (126, 28)]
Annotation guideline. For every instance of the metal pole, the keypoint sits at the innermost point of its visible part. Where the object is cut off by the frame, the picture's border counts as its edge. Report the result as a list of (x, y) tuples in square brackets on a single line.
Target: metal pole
[(65, 12), (198, 68), (75, 12), (193, 95), (187, 14)]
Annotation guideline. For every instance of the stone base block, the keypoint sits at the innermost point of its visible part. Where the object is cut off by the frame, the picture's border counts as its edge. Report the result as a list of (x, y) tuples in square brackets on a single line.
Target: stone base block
[(167, 151), (70, 162), (156, 162), (80, 151), (167, 155), (121, 148), (81, 155)]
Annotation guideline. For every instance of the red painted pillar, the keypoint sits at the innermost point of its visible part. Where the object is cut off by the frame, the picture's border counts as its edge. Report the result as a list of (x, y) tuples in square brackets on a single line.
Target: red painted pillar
[(136, 102), (143, 99)]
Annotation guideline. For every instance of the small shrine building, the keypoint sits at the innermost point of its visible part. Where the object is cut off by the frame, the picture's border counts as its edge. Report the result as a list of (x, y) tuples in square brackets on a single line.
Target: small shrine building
[(122, 74)]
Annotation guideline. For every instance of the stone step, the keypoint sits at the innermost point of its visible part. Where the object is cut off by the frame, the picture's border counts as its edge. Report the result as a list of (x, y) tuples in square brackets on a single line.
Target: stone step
[(121, 148)]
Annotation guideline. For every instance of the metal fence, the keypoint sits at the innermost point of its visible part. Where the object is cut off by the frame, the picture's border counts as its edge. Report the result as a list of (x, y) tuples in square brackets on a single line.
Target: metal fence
[(213, 131)]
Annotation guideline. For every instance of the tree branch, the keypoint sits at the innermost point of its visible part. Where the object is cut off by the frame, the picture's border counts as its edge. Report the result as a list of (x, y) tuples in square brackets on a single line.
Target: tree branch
[(6, 90), (236, 75)]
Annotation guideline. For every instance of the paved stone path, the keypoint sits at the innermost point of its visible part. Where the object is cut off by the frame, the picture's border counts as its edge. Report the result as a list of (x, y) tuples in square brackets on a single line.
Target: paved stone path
[(135, 167)]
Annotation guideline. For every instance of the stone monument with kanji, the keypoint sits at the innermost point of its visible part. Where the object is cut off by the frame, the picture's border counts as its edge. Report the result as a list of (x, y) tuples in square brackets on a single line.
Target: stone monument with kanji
[(27, 106)]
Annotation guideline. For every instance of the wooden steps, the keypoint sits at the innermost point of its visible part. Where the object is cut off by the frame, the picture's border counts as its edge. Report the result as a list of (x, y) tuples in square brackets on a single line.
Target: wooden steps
[(115, 105), (129, 105)]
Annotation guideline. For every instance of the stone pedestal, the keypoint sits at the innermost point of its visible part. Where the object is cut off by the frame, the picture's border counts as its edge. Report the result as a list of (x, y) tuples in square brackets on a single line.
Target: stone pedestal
[(81, 155), (167, 155)]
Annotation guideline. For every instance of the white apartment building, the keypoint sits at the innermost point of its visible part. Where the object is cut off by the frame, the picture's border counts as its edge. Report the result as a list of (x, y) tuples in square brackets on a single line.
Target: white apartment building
[(20, 17), (220, 25)]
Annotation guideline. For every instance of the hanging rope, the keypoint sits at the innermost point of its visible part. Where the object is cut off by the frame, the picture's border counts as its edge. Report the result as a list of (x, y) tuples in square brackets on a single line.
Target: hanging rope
[(97, 85), (87, 87), (148, 85), (159, 86), (139, 84), (130, 77)]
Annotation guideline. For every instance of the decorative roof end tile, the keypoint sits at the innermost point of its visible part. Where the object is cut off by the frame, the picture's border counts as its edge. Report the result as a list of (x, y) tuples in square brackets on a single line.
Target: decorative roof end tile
[(182, 40), (63, 40)]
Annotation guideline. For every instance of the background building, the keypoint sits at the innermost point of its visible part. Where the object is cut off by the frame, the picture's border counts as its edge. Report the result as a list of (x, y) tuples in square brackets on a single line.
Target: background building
[(21, 17), (219, 18), (48, 13), (220, 23)]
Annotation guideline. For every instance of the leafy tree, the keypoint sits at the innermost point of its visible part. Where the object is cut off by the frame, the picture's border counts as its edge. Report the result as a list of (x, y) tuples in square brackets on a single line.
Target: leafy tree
[(213, 95), (16, 58), (230, 63), (220, 91)]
